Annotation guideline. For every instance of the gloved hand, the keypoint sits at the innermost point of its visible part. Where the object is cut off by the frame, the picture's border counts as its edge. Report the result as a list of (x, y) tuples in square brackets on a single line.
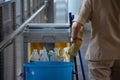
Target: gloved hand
[(73, 49)]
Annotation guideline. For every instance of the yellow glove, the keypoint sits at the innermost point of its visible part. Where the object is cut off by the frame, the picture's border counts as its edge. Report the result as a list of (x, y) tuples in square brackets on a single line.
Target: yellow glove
[(73, 49)]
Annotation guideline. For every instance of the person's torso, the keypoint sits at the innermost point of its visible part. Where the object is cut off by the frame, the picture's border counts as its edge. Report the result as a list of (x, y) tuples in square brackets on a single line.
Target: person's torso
[(105, 38)]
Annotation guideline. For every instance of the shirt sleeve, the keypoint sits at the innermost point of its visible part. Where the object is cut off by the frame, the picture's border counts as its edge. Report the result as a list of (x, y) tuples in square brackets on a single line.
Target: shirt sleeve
[(84, 13)]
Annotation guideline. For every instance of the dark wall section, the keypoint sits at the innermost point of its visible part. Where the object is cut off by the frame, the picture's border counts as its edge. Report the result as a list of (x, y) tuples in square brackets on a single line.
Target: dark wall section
[(1, 38)]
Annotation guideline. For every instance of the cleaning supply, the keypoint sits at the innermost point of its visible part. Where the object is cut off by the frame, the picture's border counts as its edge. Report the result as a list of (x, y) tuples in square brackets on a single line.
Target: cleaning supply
[(66, 56), (61, 45), (35, 56), (57, 51), (74, 47), (50, 54), (55, 57), (43, 55)]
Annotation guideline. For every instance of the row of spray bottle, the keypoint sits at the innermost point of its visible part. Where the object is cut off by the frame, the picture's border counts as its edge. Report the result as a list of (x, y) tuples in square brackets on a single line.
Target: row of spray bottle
[(44, 55)]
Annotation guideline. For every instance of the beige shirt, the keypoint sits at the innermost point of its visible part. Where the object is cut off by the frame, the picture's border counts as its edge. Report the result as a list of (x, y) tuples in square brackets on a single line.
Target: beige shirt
[(105, 19)]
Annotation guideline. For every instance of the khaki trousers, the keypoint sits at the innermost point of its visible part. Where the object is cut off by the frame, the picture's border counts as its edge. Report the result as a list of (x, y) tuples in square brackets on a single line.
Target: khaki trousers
[(104, 70)]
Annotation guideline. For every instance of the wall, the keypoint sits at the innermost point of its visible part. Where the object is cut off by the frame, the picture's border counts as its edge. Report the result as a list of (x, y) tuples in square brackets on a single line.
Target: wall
[(73, 5)]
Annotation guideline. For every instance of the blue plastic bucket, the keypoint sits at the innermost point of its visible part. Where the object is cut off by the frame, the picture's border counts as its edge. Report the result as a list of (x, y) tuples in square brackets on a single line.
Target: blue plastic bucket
[(48, 71)]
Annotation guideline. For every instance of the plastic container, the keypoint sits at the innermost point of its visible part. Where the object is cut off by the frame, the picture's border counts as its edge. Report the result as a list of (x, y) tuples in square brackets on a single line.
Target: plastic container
[(35, 56), (61, 46), (48, 71)]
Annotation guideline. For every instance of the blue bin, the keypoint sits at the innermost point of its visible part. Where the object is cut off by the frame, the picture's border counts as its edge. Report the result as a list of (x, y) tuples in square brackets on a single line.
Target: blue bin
[(48, 70)]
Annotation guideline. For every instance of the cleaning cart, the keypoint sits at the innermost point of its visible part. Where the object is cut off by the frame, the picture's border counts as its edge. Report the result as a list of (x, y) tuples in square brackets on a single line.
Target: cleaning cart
[(53, 34)]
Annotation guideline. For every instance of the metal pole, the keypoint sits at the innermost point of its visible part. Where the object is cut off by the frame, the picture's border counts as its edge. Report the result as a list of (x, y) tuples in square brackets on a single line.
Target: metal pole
[(13, 8), (82, 67), (5, 42), (28, 8), (22, 11), (49, 25)]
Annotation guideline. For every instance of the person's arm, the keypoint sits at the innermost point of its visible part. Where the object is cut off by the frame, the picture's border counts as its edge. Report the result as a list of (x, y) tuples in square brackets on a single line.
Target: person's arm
[(83, 15), (76, 38), (76, 26)]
